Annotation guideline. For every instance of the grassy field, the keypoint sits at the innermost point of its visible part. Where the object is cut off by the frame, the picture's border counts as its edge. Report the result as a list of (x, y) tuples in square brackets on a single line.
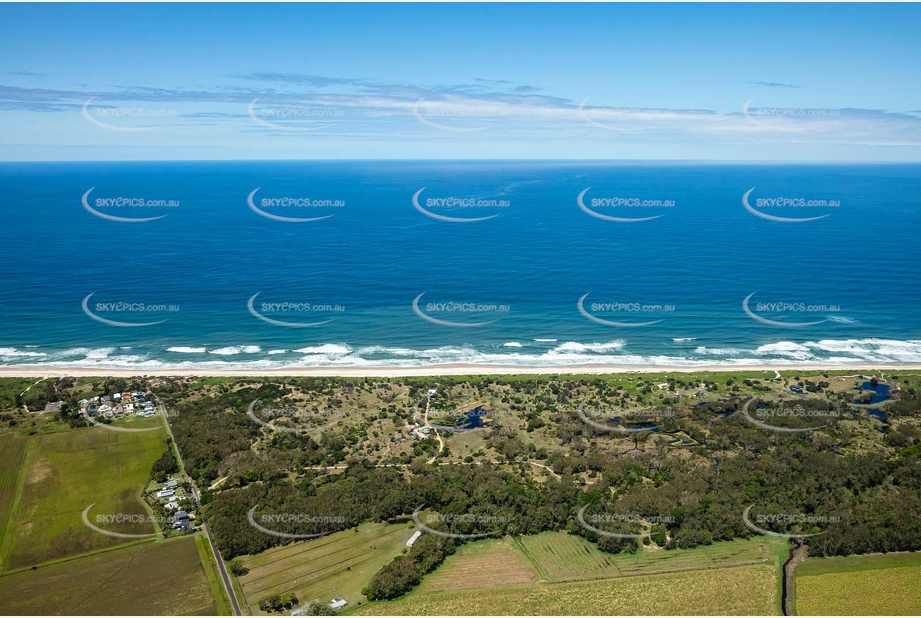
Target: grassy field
[(483, 564), (558, 556), (65, 472), (218, 592), (876, 584), (147, 578), (747, 590), (12, 454), (338, 565)]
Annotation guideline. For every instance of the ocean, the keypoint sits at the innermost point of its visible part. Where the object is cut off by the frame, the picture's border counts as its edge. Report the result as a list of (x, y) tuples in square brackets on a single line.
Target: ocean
[(264, 265)]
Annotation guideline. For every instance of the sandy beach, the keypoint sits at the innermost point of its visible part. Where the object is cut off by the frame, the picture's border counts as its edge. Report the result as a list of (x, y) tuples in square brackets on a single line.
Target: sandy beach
[(38, 371)]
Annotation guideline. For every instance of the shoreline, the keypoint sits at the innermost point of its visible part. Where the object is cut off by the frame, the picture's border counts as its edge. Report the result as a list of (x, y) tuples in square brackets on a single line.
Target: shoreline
[(453, 369)]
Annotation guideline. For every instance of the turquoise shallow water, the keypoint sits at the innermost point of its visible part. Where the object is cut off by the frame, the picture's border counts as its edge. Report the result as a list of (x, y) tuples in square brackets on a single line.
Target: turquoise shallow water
[(842, 289)]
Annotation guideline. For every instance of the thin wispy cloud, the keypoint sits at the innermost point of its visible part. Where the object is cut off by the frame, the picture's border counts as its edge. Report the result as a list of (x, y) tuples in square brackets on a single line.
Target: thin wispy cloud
[(774, 84)]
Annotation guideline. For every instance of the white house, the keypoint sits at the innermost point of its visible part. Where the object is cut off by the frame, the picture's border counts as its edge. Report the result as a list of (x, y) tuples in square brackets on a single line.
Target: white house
[(165, 493), (338, 603), (413, 538)]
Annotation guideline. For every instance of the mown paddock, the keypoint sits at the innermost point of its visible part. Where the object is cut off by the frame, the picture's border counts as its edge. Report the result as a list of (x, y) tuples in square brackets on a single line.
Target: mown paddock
[(746, 590), (148, 578), (559, 556), (874, 585), (481, 564), (338, 565), (12, 454), (67, 471)]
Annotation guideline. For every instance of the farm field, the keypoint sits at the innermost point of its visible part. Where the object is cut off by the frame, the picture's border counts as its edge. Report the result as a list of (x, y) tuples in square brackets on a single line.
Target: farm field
[(559, 556), (746, 590), (146, 578), (12, 453), (65, 472), (482, 564), (876, 584), (338, 565)]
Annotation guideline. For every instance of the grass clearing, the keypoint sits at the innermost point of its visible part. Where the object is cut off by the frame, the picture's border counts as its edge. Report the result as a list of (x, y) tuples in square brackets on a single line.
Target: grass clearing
[(338, 565), (12, 455), (152, 578), (746, 590), (874, 585), (483, 564), (559, 556), (67, 471)]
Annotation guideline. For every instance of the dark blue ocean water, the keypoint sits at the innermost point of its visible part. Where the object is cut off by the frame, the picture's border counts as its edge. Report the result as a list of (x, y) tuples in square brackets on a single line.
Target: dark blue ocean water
[(846, 284)]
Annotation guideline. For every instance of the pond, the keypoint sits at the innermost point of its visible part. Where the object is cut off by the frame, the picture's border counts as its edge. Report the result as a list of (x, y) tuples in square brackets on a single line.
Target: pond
[(880, 392)]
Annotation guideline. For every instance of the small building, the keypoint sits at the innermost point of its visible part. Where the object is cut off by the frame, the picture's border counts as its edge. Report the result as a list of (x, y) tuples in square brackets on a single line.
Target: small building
[(166, 493), (181, 521), (413, 538), (106, 398), (433, 392), (338, 603), (171, 484)]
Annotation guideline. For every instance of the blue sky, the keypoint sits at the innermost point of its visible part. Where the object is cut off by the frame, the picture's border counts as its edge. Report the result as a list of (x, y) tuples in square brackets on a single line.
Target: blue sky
[(767, 82)]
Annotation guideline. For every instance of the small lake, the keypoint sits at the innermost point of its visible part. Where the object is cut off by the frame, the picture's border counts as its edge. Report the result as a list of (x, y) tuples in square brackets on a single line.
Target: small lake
[(880, 392)]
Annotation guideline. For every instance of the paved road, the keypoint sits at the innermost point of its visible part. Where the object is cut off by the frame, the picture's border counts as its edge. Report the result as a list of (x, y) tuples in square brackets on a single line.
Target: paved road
[(217, 555)]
